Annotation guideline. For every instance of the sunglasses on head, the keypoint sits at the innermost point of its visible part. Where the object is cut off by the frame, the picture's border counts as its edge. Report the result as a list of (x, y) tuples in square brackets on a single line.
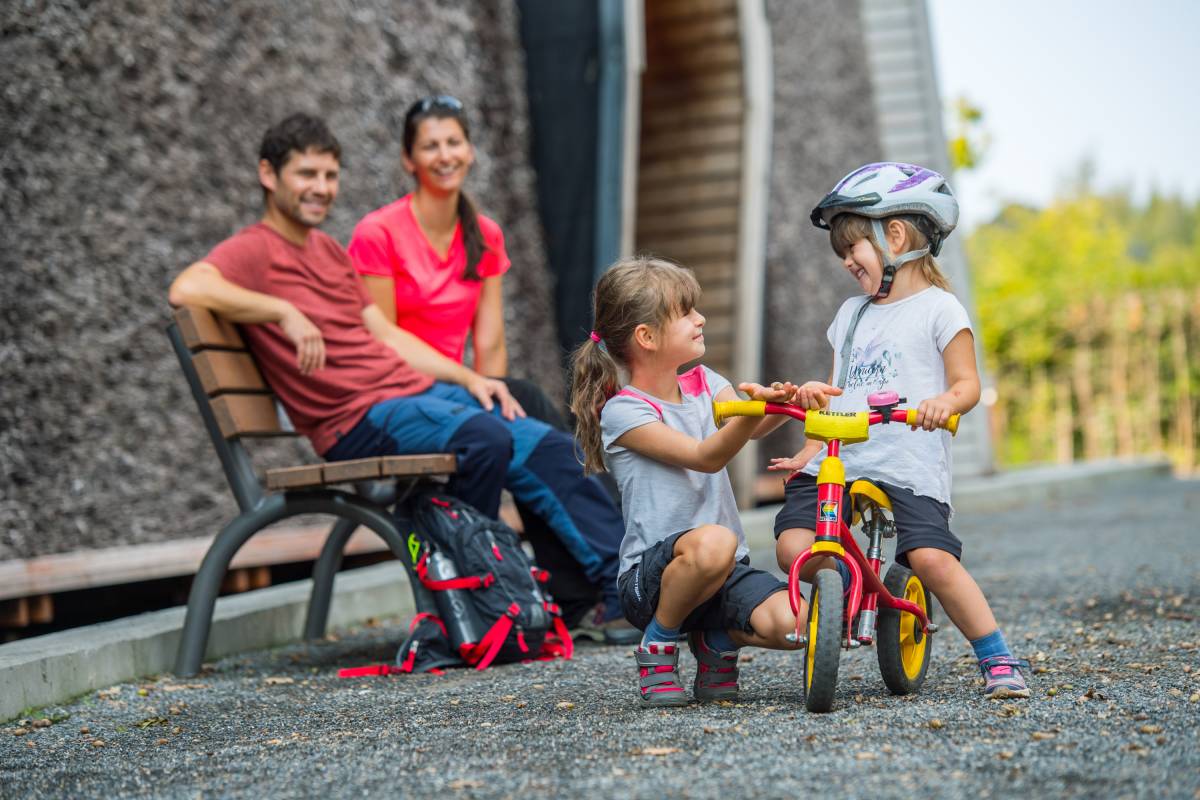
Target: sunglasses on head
[(446, 101)]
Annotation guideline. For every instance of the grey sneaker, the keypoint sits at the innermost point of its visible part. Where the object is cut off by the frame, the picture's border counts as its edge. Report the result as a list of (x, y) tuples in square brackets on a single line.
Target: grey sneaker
[(1004, 678), (658, 675), (716, 673), (615, 631)]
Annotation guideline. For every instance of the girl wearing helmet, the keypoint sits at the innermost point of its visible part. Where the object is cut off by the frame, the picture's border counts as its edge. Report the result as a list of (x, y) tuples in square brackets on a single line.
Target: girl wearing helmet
[(909, 334)]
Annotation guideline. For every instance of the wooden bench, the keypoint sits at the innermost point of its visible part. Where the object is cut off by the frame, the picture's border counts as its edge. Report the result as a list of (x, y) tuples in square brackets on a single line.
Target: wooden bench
[(235, 403)]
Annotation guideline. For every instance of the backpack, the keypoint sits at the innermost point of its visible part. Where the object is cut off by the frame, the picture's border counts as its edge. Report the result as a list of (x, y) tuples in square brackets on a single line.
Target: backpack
[(491, 604)]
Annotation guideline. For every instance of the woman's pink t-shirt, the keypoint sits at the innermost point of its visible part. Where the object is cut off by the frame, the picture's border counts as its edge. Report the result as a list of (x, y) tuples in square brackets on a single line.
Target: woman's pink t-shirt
[(433, 301)]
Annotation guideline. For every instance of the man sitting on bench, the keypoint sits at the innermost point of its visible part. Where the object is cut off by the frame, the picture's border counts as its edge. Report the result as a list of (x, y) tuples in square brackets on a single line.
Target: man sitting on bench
[(358, 386)]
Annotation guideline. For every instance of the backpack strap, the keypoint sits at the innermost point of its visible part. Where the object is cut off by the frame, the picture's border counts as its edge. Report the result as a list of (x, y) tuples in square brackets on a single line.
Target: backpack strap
[(485, 652), (471, 582)]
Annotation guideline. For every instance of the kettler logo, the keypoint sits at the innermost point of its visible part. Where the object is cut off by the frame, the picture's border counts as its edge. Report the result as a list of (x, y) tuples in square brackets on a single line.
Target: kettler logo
[(414, 547)]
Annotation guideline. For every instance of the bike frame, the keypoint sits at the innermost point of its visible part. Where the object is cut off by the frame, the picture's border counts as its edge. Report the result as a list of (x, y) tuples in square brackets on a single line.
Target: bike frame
[(835, 540)]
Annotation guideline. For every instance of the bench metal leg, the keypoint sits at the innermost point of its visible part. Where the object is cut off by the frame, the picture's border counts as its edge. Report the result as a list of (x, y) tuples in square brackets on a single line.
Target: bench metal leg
[(327, 566), (203, 597)]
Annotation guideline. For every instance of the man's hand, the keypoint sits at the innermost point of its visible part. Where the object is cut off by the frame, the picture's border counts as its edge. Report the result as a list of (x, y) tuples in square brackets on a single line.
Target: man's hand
[(815, 395), (310, 346), (484, 389), (797, 461)]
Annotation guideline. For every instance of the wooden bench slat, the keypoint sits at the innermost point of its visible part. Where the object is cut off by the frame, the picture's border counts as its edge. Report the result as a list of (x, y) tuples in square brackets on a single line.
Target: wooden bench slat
[(358, 469), (426, 464), (201, 328), (313, 475), (295, 477), (247, 415), (225, 371)]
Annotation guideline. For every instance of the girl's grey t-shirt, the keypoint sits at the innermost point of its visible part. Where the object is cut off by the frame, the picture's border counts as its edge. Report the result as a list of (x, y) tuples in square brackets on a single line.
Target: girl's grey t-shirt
[(659, 499)]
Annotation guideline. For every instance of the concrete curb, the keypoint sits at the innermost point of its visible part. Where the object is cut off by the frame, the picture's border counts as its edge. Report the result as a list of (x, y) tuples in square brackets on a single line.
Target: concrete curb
[(44, 670), (50, 669)]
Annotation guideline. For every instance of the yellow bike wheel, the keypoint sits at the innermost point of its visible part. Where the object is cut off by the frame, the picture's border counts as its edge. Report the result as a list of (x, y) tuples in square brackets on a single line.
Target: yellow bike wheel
[(825, 631), (901, 644)]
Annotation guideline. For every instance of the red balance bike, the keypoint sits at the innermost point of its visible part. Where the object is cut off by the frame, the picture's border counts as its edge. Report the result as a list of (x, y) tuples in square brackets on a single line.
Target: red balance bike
[(892, 614)]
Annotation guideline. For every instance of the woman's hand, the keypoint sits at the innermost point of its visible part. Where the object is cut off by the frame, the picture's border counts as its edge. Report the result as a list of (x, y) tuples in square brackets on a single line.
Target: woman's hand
[(798, 461), (485, 389), (934, 413), (310, 346), (814, 395)]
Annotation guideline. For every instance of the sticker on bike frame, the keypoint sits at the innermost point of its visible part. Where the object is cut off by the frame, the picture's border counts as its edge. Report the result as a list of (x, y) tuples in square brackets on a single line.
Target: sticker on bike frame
[(828, 512)]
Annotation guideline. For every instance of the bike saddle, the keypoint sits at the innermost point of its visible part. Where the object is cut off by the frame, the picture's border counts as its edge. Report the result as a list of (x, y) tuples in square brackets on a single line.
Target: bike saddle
[(865, 495)]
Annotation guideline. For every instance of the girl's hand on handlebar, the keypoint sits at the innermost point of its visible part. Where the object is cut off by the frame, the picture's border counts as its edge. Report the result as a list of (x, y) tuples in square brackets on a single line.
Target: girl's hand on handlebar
[(798, 461), (933, 413), (815, 395)]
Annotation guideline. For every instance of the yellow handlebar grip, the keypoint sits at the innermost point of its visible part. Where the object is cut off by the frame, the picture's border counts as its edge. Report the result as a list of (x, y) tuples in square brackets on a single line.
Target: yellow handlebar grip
[(724, 409), (951, 424)]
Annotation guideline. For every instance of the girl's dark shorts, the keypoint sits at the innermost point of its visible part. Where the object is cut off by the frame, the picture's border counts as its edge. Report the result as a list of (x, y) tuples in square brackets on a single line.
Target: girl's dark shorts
[(729, 609), (920, 521)]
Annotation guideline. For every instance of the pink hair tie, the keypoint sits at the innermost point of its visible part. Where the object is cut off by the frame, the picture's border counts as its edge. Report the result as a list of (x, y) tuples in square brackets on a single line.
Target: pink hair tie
[(595, 337)]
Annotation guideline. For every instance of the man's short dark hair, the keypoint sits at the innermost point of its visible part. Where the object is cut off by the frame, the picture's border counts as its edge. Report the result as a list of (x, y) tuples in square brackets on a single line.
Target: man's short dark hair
[(300, 132)]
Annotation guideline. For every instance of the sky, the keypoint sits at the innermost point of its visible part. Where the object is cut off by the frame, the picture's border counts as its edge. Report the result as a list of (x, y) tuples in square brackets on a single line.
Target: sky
[(1064, 81)]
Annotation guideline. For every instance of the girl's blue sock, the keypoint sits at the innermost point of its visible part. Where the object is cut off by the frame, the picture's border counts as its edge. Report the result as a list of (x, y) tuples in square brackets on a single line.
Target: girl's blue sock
[(991, 645), (657, 632), (720, 640)]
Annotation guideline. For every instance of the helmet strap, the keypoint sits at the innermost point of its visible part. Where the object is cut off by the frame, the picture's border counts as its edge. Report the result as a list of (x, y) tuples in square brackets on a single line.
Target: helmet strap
[(890, 263)]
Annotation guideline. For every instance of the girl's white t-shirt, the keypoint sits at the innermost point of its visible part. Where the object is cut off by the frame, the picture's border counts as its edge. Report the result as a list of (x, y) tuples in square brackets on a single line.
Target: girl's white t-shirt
[(897, 346)]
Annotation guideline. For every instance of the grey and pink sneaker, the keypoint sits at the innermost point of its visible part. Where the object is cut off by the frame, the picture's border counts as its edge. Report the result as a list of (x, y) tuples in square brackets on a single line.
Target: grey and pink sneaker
[(1004, 677), (658, 675), (716, 672)]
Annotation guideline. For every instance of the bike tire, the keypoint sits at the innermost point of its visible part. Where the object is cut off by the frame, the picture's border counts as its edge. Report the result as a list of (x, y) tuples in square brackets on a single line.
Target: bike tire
[(902, 647), (825, 631)]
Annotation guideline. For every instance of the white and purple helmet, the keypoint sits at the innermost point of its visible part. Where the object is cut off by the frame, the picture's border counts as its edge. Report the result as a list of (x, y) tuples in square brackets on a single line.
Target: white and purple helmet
[(891, 189)]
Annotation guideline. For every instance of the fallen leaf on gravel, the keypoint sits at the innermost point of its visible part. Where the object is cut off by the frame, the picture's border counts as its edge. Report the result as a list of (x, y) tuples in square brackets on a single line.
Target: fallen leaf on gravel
[(455, 701), (1150, 729), (710, 730), (1195, 698), (936, 724), (1051, 692), (275, 741), (278, 680), (150, 722), (1140, 716), (1004, 755), (1039, 736), (108, 694), (521, 704), (143, 692), (85, 729), (746, 658), (1172, 691), (1009, 710), (565, 705), (466, 783), (20, 731), (539, 686), (162, 741), (179, 687), (97, 743), (41, 723), (655, 751), (508, 698), (865, 755), (177, 730)]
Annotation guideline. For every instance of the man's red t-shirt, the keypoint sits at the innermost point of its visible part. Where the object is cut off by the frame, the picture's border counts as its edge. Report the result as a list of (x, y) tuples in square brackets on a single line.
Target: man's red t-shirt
[(320, 281)]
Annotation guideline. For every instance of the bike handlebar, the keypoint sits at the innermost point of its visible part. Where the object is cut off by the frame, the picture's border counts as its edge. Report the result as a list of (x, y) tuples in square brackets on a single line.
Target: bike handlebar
[(724, 409)]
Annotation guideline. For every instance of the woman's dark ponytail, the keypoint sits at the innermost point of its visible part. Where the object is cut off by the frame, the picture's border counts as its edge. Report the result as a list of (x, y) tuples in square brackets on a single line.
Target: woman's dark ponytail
[(468, 217)]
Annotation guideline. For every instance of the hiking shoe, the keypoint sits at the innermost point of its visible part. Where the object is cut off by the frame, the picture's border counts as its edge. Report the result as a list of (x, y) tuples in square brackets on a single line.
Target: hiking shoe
[(1004, 677), (658, 675), (614, 631), (716, 672)]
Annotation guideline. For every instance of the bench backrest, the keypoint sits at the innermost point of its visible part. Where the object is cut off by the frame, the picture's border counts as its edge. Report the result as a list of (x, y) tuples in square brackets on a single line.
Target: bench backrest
[(233, 398)]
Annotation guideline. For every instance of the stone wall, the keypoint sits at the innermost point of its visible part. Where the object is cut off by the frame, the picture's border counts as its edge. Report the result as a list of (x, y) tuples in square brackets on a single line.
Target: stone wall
[(824, 127), (128, 138)]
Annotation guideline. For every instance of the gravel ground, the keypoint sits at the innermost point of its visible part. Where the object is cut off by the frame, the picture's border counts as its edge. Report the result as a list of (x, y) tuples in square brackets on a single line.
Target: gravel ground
[(1103, 596)]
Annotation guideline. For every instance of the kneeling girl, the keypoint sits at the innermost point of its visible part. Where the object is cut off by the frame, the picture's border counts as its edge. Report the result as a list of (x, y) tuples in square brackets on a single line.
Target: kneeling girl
[(684, 559)]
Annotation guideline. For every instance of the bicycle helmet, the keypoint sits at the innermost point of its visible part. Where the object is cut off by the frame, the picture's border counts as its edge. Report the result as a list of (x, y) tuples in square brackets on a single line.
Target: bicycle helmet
[(892, 189)]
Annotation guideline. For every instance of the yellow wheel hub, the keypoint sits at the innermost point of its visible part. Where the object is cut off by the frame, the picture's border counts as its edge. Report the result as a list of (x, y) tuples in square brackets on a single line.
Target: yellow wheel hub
[(913, 641)]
